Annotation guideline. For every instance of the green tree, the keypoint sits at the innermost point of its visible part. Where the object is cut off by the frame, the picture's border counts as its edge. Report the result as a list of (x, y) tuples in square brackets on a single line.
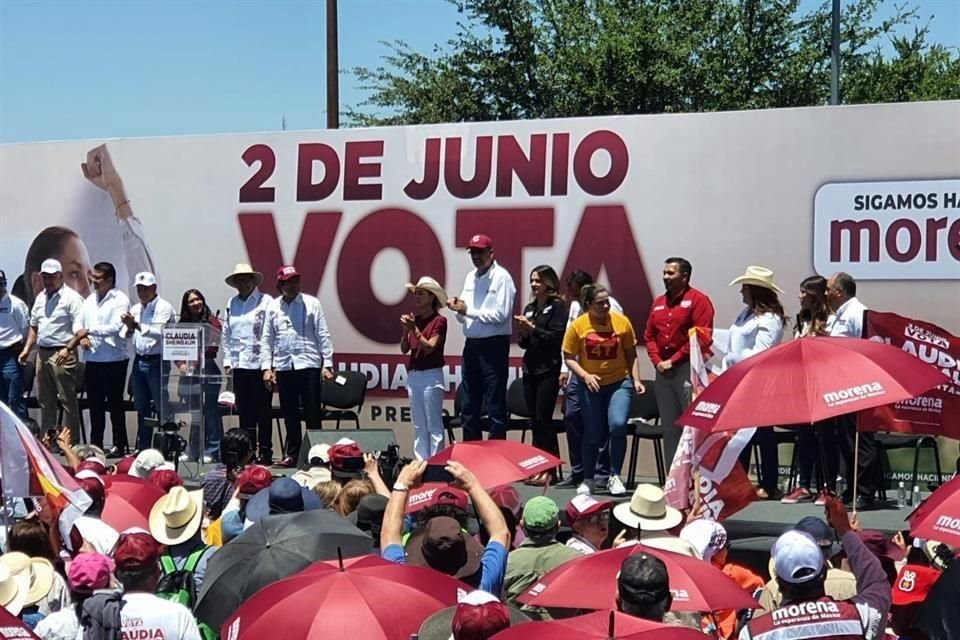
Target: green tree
[(517, 59)]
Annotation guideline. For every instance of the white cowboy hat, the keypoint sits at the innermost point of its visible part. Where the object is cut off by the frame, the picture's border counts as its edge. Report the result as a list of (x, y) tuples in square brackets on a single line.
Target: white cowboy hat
[(176, 517), (647, 510), (758, 277), (429, 284), (244, 269), (13, 590), (37, 573)]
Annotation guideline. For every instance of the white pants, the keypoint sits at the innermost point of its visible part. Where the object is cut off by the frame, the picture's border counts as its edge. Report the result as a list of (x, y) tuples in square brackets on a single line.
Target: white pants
[(425, 389)]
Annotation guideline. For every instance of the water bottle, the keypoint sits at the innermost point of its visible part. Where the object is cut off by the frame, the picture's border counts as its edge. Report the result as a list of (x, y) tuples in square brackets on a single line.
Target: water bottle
[(841, 486), (901, 496), (916, 495)]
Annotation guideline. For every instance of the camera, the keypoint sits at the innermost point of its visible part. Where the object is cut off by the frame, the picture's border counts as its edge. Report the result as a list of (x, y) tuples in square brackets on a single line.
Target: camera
[(167, 440), (390, 462)]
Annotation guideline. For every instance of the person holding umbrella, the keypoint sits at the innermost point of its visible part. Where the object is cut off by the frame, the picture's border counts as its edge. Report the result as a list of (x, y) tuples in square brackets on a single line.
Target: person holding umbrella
[(600, 347), (807, 611), (443, 545), (758, 327)]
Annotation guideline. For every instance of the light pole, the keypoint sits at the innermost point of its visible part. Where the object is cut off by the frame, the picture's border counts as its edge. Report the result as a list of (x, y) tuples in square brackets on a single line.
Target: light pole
[(834, 54), (333, 64)]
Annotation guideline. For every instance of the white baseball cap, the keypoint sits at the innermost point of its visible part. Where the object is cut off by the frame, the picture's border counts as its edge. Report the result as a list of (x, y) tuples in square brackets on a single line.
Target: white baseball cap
[(797, 557), (51, 266), (145, 279), (145, 462), (319, 451)]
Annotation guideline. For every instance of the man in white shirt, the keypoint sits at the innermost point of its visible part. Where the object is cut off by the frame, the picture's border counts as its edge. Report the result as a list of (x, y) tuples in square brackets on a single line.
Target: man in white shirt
[(145, 323), (14, 326), (242, 332), (485, 309), (296, 352), (137, 560), (106, 355), (55, 310), (847, 322)]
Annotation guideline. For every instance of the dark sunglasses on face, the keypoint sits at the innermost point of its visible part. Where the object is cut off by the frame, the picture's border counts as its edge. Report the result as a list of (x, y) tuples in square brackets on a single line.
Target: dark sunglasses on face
[(599, 518)]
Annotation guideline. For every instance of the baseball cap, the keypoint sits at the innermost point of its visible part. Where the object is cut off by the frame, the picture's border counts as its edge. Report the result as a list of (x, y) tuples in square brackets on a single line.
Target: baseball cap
[(540, 514), (166, 479), (479, 616), (253, 479), (583, 506), (51, 266), (342, 455), (124, 465), (818, 529), (506, 497), (145, 462), (880, 545), (706, 536), (90, 571), (319, 454), (94, 465), (480, 241), (92, 485), (136, 551), (913, 584), (643, 579), (145, 279), (797, 557), (286, 272)]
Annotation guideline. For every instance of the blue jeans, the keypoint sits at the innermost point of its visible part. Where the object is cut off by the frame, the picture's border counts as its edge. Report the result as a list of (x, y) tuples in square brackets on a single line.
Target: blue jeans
[(573, 424), (11, 381), (486, 365), (212, 424), (149, 394), (605, 414)]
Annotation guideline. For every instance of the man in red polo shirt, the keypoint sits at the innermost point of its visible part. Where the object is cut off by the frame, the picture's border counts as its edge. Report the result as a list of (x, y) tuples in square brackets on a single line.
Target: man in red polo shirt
[(668, 344)]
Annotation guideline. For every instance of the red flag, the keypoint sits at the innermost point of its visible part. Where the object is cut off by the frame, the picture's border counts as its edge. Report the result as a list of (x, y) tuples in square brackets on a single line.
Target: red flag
[(705, 475), (28, 469), (936, 412)]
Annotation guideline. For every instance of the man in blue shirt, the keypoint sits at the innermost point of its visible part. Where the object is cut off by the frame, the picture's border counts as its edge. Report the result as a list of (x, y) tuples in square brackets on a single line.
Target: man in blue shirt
[(443, 545)]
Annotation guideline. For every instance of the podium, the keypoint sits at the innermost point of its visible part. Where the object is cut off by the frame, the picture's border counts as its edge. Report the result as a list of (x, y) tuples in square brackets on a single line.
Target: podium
[(193, 383)]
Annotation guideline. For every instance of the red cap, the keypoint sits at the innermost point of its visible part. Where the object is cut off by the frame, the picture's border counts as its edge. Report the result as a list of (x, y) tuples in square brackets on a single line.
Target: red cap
[(136, 551), (123, 466), (479, 621), (286, 272), (583, 506), (913, 584), (93, 464), (166, 479), (480, 241), (339, 452), (253, 479), (93, 488), (506, 497)]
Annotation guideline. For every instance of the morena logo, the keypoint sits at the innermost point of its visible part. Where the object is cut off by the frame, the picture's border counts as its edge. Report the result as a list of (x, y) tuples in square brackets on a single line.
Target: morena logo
[(852, 394)]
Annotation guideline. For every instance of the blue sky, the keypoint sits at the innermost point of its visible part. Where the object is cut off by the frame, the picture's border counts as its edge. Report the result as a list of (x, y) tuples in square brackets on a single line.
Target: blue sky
[(81, 69)]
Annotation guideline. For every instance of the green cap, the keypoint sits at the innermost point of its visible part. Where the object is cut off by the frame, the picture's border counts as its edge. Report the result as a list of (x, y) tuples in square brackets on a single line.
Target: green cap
[(540, 513)]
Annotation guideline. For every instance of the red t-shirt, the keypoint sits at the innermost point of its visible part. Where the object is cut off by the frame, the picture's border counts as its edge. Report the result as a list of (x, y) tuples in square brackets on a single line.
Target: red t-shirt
[(666, 335), (420, 360)]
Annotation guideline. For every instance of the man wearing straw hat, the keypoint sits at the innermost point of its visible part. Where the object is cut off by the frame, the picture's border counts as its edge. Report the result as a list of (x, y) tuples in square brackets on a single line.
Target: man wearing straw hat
[(241, 356)]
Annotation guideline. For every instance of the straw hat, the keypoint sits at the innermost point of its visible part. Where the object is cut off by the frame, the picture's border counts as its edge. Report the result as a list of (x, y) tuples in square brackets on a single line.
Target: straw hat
[(647, 510), (758, 277), (176, 517), (37, 573), (243, 269), (429, 284), (13, 590)]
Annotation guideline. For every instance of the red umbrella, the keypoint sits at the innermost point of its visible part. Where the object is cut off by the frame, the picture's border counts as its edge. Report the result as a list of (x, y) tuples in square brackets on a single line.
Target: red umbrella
[(367, 598), (938, 517), (129, 501), (498, 462), (599, 625), (807, 380), (13, 627), (696, 585)]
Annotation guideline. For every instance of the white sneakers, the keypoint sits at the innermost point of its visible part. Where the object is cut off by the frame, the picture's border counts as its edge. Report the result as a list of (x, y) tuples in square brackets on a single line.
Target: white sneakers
[(615, 487), (584, 489)]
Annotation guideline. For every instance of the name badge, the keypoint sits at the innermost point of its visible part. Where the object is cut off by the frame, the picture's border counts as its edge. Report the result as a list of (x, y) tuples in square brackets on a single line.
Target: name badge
[(686, 304)]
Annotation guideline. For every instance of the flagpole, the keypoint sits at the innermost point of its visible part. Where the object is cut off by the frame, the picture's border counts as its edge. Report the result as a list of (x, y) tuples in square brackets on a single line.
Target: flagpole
[(856, 467)]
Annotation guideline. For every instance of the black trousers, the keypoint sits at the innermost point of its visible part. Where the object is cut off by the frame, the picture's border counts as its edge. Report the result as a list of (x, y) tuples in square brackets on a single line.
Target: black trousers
[(299, 400), (254, 402), (486, 365), (766, 440), (869, 469), (540, 391), (104, 383)]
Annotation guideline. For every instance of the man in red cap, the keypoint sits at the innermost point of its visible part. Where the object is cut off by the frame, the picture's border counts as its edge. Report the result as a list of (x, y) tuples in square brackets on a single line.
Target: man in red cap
[(138, 569), (485, 309), (296, 352), (590, 520)]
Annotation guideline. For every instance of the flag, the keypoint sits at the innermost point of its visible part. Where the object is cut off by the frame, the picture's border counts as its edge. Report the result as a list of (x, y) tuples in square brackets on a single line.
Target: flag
[(705, 475), (28, 469)]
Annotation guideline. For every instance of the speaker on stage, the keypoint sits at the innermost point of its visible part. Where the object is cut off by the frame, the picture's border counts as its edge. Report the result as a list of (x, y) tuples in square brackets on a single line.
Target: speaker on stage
[(369, 440)]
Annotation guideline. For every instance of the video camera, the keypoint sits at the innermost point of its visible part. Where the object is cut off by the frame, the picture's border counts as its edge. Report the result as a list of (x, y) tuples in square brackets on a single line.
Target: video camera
[(390, 462), (167, 439)]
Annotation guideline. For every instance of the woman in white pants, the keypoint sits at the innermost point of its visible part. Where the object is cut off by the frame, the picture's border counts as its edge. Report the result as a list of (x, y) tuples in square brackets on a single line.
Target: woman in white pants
[(424, 334)]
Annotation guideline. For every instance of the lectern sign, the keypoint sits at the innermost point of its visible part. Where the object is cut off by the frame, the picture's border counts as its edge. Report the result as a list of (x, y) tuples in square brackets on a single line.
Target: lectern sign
[(182, 343)]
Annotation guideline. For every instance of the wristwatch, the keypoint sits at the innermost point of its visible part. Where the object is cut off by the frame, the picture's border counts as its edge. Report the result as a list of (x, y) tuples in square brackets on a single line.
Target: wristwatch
[(399, 486)]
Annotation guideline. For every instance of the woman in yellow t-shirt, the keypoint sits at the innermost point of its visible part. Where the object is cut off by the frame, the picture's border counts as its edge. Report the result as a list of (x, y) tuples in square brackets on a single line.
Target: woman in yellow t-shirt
[(600, 347)]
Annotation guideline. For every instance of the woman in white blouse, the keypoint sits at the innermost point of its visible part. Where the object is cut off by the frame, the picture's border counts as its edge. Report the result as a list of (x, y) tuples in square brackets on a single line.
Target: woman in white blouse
[(758, 327)]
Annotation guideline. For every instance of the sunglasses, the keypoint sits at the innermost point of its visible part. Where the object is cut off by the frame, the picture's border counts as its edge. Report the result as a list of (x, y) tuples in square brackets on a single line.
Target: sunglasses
[(599, 518)]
